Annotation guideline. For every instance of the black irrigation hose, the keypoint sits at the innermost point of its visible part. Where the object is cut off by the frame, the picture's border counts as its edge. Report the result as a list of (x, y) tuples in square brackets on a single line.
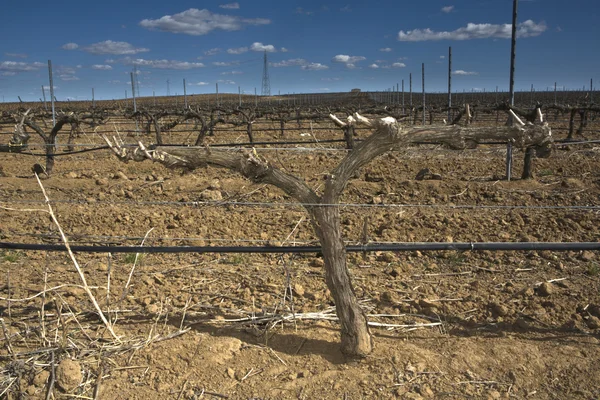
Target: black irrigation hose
[(28, 153), (424, 246)]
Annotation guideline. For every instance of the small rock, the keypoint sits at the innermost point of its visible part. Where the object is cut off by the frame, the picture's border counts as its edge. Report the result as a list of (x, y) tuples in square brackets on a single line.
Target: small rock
[(494, 395), (299, 289), (120, 175), (68, 375), (152, 309), (422, 174), (499, 310), (593, 322), (71, 175), (572, 183), (546, 289), (387, 297), (317, 263), (231, 373), (527, 292), (386, 257), (588, 256), (211, 195), (101, 181), (304, 374), (521, 323), (394, 272), (41, 378), (504, 235), (426, 391), (373, 178), (215, 184), (377, 200), (313, 296)]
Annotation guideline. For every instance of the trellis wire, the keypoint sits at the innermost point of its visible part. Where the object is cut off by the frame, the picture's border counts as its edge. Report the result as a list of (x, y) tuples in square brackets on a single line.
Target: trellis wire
[(294, 204), (371, 247)]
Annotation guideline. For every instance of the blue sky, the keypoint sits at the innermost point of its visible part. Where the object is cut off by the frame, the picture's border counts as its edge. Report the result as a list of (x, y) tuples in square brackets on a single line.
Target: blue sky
[(313, 46)]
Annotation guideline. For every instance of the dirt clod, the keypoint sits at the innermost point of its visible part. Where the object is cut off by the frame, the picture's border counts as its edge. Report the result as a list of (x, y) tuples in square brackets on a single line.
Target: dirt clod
[(41, 378), (68, 375), (546, 289), (593, 322)]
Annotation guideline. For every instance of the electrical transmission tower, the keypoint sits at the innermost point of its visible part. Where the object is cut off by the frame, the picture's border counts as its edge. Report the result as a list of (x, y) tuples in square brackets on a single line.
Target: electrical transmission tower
[(168, 88), (136, 74), (266, 82)]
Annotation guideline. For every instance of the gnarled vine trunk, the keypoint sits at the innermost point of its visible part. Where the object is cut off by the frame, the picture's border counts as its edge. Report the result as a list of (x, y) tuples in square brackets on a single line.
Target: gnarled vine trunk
[(387, 134)]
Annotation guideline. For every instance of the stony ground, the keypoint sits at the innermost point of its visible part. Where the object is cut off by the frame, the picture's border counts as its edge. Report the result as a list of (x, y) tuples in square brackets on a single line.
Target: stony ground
[(455, 324)]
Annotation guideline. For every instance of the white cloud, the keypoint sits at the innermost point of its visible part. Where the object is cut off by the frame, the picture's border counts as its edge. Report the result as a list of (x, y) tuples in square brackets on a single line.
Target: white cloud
[(212, 52), (67, 77), (442, 57), (226, 82), (302, 11), (350, 61), (225, 64), (200, 22), (200, 84), (447, 9), (230, 6), (300, 62), (474, 31), (385, 49), (294, 62), (330, 79), (314, 67), (114, 82), (464, 73), (110, 47), (398, 65), (162, 64), (238, 50), (284, 50), (232, 73), (70, 46), (9, 68), (16, 55), (102, 67), (374, 66), (258, 46), (65, 70)]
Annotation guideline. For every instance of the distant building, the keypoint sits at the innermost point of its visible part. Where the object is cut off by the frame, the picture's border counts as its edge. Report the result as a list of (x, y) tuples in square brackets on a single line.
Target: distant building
[(355, 91)]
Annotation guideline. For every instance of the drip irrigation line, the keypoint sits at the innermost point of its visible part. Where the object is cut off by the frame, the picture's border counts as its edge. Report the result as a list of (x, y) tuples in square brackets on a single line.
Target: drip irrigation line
[(423, 246), (28, 153), (291, 204)]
